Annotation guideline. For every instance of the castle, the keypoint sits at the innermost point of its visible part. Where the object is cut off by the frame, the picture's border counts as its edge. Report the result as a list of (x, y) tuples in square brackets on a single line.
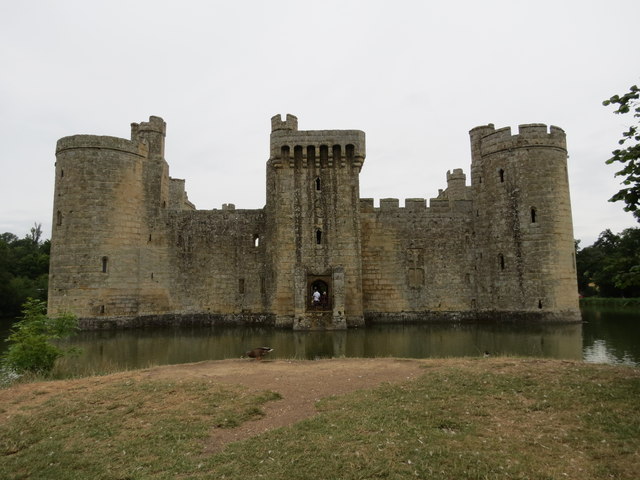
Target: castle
[(128, 248)]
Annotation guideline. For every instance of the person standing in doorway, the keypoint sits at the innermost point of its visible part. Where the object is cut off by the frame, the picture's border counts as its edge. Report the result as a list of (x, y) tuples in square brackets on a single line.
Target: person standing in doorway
[(315, 298)]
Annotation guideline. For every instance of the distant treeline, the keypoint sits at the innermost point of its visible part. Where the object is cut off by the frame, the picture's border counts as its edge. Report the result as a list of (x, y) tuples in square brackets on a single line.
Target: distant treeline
[(610, 302), (24, 270), (611, 266)]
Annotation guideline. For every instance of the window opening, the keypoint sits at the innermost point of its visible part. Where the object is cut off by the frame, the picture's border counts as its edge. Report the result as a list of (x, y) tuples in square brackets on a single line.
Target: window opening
[(533, 215), (297, 155), (241, 285), (311, 154), (256, 240), (337, 152), (501, 174), (105, 262), (318, 237), (318, 184), (324, 154), (501, 258), (59, 218), (350, 152), (539, 303)]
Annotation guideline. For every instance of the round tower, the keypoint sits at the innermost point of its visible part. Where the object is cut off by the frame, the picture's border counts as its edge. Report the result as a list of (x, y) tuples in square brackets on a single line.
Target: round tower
[(525, 258), (97, 226)]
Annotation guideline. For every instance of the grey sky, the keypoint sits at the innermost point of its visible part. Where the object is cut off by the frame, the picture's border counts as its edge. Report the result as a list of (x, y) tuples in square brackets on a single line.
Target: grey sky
[(416, 76)]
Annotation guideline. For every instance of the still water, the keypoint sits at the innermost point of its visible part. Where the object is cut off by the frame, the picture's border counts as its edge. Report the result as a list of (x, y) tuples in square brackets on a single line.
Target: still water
[(606, 336)]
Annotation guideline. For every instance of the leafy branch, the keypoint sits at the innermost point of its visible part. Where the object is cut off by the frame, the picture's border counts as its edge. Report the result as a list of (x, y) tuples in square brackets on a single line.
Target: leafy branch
[(630, 155)]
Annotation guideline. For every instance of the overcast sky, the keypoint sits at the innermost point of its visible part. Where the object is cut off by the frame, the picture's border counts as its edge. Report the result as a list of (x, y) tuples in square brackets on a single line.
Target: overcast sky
[(416, 76)]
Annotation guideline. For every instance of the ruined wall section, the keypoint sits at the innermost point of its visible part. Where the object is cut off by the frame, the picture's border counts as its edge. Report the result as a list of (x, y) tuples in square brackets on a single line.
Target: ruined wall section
[(524, 232), (417, 260), (178, 199), (217, 261)]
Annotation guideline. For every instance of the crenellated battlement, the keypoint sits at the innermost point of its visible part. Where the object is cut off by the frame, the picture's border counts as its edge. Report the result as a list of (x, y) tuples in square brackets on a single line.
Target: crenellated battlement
[(309, 148), (411, 205), (456, 175), (75, 142), (446, 200), (155, 124), (291, 122), (146, 138), (486, 140), (152, 133), (456, 184)]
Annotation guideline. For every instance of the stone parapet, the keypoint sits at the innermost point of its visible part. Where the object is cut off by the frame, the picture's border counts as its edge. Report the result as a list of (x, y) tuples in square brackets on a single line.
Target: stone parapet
[(289, 143), (529, 136), (102, 142)]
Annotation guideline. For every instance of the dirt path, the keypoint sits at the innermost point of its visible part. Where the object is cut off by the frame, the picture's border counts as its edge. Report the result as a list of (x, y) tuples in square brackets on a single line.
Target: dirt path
[(300, 383)]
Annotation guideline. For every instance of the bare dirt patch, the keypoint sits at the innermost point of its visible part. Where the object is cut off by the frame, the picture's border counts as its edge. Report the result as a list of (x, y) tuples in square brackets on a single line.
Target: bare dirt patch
[(300, 383)]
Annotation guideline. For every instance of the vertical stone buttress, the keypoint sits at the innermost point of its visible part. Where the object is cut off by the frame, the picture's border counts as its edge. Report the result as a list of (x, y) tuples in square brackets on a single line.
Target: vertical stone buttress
[(313, 221), (104, 201), (524, 255)]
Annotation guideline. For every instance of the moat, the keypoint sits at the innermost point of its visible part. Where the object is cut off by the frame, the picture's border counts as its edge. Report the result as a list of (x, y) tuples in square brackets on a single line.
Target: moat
[(604, 337)]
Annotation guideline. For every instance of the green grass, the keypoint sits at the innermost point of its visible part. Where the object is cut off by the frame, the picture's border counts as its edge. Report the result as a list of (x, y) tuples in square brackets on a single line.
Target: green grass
[(125, 429), (630, 303), (500, 418), (456, 423)]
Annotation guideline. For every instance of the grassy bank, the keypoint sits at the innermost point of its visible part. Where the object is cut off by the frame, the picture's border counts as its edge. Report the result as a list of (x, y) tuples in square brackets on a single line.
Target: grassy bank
[(610, 302), (497, 418)]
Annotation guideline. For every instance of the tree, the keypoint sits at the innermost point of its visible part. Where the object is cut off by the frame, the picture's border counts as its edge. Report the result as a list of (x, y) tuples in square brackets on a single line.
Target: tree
[(611, 266), (24, 267), (30, 348), (629, 156), (35, 233)]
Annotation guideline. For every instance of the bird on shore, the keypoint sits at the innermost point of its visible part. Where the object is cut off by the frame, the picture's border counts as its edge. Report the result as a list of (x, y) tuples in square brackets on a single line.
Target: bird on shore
[(259, 352)]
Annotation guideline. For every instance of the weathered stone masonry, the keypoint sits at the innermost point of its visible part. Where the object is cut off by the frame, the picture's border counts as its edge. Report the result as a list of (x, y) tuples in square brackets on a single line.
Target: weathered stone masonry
[(129, 249)]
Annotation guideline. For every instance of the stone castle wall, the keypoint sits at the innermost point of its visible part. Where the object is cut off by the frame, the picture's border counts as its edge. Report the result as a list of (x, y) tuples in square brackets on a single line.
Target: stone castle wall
[(417, 258), (217, 264), (129, 248)]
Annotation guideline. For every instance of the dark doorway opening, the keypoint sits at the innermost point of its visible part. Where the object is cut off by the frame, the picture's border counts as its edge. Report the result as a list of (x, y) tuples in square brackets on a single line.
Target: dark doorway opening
[(319, 295)]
